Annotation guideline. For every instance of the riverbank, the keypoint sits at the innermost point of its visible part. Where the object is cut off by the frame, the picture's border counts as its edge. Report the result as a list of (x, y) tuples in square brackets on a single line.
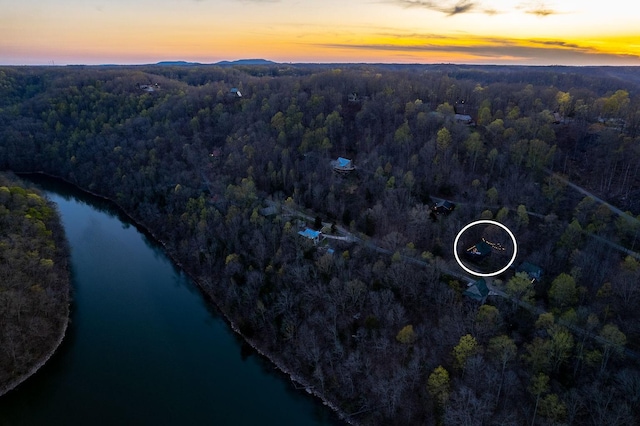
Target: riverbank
[(298, 381), (36, 367), (295, 378)]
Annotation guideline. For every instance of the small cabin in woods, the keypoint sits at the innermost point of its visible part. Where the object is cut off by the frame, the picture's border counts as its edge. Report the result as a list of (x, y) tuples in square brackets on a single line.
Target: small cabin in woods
[(343, 165)]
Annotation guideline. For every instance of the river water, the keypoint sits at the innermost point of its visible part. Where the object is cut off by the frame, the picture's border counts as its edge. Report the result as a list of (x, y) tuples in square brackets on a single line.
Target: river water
[(143, 347)]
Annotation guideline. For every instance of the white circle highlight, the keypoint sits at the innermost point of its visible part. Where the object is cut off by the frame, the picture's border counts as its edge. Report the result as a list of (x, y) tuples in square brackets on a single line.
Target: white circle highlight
[(488, 222)]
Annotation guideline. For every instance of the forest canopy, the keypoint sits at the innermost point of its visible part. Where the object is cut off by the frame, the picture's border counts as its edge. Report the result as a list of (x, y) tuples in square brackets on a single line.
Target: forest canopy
[(34, 281), (341, 272)]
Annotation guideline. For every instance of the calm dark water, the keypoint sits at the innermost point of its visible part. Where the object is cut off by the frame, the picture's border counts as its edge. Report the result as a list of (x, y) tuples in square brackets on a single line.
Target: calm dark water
[(143, 347)]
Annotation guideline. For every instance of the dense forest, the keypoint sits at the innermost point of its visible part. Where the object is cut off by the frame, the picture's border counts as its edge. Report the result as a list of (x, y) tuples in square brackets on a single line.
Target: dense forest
[(226, 164), (34, 283)]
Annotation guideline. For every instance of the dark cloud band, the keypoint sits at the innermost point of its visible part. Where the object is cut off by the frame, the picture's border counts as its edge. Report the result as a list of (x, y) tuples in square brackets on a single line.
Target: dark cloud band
[(457, 7), (504, 51)]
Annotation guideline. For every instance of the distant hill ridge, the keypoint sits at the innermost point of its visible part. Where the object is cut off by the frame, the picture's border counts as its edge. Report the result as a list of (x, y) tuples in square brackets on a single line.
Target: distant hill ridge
[(247, 62), (238, 62)]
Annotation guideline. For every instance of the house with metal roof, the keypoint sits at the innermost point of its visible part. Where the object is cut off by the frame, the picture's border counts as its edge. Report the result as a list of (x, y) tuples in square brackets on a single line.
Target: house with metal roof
[(464, 118), (477, 290), (534, 272), (443, 207), (343, 165), (311, 234)]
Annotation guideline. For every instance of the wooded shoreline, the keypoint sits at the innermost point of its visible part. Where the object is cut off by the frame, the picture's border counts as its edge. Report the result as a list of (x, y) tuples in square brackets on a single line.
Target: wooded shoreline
[(19, 380), (45, 285)]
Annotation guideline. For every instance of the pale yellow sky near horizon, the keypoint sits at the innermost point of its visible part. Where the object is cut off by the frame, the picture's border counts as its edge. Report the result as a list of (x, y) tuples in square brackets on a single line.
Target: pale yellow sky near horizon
[(569, 32)]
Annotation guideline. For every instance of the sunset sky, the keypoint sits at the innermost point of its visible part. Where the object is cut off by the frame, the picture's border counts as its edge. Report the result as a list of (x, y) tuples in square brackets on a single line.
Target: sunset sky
[(567, 32)]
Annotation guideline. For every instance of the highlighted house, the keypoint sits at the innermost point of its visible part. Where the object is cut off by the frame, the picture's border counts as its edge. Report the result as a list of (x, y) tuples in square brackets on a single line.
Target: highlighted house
[(479, 251)]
